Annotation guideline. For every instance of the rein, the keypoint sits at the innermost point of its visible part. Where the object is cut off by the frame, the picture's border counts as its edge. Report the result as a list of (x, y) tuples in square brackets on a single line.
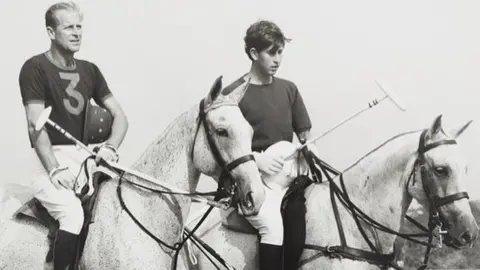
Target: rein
[(375, 256), (220, 194)]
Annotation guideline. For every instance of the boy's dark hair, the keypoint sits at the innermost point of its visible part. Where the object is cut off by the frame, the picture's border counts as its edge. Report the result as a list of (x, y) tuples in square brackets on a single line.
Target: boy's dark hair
[(263, 34)]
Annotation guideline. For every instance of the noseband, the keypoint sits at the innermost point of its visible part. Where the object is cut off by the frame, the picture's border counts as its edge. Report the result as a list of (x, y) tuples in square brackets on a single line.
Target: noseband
[(435, 201), (221, 192), (375, 256), (435, 225)]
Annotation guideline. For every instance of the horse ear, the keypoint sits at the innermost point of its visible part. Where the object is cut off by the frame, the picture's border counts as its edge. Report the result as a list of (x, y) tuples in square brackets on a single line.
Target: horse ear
[(436, 126), (237, 93), (457, 132), (214, 91)]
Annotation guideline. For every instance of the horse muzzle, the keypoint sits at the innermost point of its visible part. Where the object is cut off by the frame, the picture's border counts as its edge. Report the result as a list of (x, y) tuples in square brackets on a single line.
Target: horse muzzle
[(464, 235)]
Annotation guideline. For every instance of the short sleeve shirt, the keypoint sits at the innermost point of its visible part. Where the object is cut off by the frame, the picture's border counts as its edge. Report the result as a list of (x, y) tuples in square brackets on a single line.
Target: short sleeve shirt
[(275, 111), (67, 91)]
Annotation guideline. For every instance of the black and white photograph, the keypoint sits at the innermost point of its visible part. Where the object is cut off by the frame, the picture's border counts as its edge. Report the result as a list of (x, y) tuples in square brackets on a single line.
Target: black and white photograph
[(239, 135)]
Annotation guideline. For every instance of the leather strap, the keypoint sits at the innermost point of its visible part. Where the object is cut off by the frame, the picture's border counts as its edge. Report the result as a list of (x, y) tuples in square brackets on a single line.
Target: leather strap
[(232, 165), (439, 201), (354, 254)]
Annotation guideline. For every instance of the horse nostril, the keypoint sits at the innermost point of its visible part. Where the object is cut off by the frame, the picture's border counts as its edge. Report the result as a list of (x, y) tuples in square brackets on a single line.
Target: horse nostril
[(249, 201), (466, 237)]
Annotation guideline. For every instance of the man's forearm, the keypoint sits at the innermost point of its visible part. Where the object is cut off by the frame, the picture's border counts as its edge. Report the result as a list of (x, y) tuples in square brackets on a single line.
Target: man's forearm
[(43, 148), (119, 130)]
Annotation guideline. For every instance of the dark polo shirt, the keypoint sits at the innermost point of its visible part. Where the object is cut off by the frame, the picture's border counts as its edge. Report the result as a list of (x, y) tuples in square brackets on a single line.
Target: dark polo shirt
[(275, 111)]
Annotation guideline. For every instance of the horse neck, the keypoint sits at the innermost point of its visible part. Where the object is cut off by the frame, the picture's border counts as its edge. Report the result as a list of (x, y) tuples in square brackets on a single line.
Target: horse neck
[(376, 184), (168, 156), (166, 159)]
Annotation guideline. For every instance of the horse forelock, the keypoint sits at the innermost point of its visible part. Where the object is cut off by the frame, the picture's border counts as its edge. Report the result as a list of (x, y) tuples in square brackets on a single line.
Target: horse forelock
[(220, 103)]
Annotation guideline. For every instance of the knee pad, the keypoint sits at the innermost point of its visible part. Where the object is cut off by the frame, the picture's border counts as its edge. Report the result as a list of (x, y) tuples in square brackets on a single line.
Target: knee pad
[(72, 218)]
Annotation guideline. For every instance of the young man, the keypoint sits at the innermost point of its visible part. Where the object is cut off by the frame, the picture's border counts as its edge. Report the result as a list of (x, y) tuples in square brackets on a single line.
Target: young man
[(275, 109), (55, 78)]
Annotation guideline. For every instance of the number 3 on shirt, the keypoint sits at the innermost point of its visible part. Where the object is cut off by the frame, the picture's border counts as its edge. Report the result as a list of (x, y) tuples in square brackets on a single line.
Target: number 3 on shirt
[(74, 78)]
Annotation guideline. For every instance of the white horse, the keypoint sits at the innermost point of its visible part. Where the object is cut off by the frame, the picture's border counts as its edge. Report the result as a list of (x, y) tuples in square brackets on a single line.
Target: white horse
[(212, 138), (425, 165)]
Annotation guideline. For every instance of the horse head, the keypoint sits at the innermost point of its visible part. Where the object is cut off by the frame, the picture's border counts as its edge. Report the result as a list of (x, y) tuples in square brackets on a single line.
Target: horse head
[(223, 148), (439, 184)]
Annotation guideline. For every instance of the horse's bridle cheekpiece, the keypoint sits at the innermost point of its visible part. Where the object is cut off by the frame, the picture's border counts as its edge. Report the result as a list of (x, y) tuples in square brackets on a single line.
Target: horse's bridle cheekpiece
[(435, 226), (229, 192), (221, 193)]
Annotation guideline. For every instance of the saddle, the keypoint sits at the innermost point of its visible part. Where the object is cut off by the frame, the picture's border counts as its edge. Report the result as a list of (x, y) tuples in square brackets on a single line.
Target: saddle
[(295, 176), (234, 221), (35, 209), (293, 208)]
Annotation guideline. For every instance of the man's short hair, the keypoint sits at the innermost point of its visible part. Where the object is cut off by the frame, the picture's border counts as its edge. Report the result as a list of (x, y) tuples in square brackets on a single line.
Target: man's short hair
[(51, 20), (263, 34)]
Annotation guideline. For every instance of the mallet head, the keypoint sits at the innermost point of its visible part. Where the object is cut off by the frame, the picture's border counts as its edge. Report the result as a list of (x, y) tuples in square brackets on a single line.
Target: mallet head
[(394, 98), (42, 120)]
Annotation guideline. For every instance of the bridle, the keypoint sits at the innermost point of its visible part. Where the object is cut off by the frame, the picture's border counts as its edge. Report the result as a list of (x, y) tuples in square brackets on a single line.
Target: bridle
[(435, 225), (226, 169), (375, 256), (224, 192)]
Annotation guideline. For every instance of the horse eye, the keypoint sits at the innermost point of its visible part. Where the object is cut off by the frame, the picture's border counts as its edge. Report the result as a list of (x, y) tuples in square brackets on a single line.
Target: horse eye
[(441, 171), (222, 132)]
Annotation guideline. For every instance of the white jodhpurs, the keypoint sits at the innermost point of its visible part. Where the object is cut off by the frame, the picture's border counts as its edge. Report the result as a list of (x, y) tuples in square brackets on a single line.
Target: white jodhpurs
[(268, 221), (61, 204)]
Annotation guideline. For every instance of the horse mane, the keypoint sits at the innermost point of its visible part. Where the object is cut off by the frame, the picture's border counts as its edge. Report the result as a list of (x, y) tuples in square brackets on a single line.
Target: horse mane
[(379, 147)]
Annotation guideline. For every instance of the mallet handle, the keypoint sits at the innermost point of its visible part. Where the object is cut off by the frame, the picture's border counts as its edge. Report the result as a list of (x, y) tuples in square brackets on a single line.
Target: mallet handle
[(371, 104)]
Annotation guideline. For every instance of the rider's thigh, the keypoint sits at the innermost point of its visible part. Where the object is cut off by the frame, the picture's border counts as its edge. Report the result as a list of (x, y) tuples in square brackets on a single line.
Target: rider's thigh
[(269, 222)]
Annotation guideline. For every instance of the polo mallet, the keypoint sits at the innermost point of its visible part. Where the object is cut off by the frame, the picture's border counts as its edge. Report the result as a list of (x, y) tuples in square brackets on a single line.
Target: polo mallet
[(44, 119), (388, 94)]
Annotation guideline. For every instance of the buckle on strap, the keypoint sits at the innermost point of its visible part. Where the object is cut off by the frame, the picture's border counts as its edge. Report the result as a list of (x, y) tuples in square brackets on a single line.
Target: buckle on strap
[(341, 252)]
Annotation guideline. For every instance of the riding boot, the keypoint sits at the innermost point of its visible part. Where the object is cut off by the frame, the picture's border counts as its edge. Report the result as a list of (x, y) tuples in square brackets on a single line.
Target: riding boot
[(53, 228), (294, 224), (271, 257), (64, 250), (49, 256)]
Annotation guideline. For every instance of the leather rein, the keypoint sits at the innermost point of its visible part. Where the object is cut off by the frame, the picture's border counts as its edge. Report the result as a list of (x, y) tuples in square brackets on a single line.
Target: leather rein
[(375, 256), (225, 193)]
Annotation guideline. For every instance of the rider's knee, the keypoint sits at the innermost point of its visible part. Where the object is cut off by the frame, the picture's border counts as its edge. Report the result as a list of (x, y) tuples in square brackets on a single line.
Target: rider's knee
[(72, 219), (272, 234), (270, 227)]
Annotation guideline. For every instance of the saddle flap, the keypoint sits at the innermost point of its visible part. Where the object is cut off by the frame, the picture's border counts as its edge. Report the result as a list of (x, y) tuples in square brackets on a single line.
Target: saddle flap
[(232, 220)]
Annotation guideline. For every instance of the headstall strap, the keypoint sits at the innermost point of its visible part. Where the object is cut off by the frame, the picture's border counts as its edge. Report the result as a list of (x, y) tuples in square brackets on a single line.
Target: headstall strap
[(434, 226)]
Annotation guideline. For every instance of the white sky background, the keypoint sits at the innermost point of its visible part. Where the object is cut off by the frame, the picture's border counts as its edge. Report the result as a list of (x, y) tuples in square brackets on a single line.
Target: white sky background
[(161, 57)]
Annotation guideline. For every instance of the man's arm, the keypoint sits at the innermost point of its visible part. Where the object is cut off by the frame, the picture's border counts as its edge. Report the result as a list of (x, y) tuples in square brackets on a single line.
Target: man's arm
[(104, 97), (33, 98), (40, 139), (303, 136), (62, 178), (120, 122), (300, 118)]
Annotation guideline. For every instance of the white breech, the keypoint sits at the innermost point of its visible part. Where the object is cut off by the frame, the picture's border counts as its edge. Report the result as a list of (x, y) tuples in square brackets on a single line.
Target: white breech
[(269, 222), (61, 204)]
